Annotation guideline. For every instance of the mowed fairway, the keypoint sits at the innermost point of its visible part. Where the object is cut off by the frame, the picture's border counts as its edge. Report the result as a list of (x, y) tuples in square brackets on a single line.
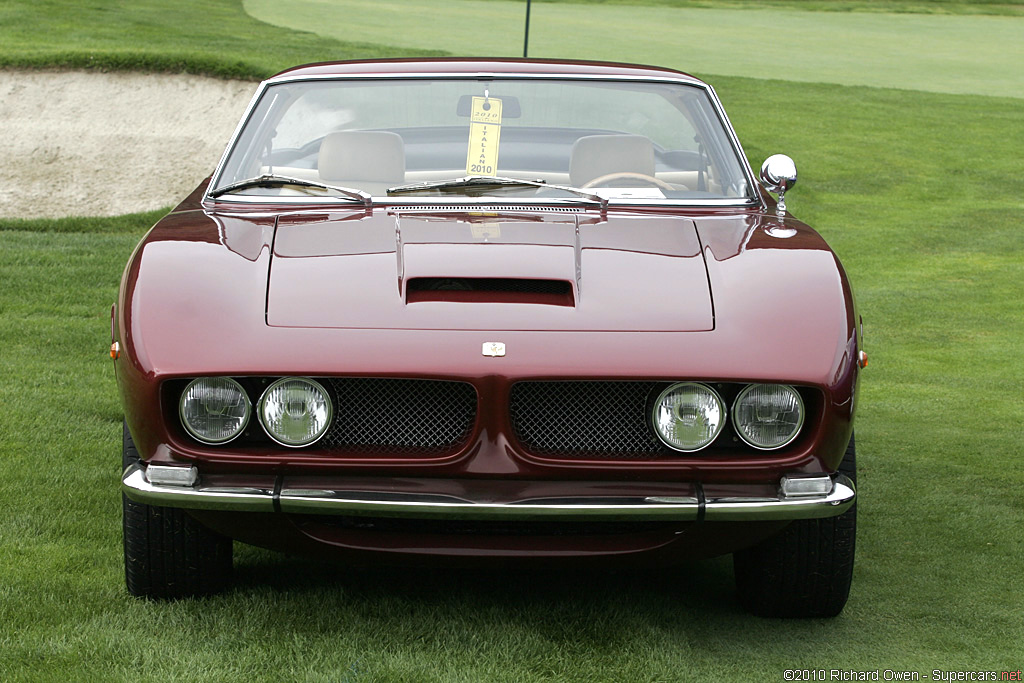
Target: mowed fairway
[(921, 195), (939, 53)]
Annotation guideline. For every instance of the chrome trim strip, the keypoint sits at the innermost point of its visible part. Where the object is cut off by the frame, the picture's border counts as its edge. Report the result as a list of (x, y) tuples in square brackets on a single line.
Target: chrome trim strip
[(138, 488), (491, 75), (843, 495), (420, 506), (737, 147), (234, 136), (441, 507), (389, 201)]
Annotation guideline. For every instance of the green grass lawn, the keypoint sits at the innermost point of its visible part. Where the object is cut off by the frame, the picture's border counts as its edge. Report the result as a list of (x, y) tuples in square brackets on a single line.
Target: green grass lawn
[(939, 53), (191, 36), (922, 197), (991, 7)]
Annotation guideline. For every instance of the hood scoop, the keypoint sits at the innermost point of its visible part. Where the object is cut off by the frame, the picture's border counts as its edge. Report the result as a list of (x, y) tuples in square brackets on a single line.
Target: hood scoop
[(476, 271), (489, 290)]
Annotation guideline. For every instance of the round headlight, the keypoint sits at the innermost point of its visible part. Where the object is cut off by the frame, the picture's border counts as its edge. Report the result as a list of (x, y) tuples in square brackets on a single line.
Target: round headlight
[(768, 416), (214, 409), (688, 416), (295, 411)]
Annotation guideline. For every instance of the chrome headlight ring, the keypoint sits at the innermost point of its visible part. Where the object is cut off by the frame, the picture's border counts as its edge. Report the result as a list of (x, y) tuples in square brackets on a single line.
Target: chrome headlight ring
[(214, 405), (768, 416), (295, 411), (688, 416)]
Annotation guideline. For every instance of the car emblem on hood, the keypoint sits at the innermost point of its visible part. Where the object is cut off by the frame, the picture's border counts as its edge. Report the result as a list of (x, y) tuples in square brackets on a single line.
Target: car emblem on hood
[(494, 349)]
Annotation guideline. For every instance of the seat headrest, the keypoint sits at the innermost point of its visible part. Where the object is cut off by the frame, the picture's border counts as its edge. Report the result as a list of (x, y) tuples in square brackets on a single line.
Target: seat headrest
[(596, 155), (374, 156)]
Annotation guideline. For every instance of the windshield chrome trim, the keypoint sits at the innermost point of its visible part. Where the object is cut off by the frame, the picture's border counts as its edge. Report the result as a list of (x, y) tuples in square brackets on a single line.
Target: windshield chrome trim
[(737, 146), (398, 202), (234, 136), (755, 199), (474, 75)]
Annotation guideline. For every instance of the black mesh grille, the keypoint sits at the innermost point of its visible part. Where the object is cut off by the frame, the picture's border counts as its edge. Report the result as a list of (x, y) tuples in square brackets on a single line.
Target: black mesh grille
[(584, 419), (399, 416)]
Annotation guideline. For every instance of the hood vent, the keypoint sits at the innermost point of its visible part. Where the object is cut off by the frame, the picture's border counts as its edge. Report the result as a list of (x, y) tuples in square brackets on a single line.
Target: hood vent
[(489, 290)]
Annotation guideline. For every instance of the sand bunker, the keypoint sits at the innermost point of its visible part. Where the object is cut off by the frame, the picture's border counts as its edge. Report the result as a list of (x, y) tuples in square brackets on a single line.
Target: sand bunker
[(102, 144)]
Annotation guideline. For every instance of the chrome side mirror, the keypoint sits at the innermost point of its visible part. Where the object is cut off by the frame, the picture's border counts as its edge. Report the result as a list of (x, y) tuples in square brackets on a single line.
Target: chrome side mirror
[(778, 174)]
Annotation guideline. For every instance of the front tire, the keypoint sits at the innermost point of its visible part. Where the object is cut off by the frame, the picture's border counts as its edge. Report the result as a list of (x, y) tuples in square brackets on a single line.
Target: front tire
[(806, 569), (167, 553)]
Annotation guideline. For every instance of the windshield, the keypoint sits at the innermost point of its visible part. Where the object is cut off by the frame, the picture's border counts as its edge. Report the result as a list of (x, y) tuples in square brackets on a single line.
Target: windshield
[(619, 140)]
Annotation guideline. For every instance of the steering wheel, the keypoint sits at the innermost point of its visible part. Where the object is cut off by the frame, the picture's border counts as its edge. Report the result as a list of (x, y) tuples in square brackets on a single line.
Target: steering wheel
[(627, 175)]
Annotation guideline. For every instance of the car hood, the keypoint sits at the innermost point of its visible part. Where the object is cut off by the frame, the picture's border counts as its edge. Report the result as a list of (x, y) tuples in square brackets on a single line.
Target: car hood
[(569, 271), (195, 296)]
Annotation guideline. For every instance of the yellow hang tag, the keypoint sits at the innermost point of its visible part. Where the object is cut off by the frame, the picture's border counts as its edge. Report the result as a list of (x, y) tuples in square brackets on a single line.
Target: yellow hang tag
[(484, 136)]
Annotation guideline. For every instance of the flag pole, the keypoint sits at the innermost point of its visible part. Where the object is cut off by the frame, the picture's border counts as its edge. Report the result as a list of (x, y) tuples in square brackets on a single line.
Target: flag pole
[(526, 35)]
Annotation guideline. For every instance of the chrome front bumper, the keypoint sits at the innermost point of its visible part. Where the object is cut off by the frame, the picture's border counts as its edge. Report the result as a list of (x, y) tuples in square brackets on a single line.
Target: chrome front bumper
[(589, 502)]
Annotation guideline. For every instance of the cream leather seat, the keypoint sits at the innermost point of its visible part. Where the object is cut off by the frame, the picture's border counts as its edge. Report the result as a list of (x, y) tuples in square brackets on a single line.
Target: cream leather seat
[(367, 160), (594, 156)]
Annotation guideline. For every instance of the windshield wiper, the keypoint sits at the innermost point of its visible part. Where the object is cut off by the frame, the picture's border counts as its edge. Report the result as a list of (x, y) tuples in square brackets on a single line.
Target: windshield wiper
[(270, 179), (491, 181)]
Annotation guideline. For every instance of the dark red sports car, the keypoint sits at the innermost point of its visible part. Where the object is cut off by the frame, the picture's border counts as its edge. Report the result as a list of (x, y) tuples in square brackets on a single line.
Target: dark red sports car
[(459, 311)]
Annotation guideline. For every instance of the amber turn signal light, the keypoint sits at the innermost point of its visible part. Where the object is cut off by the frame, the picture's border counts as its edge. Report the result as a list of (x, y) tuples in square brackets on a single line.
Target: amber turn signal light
[(115, 350), (862, 359)]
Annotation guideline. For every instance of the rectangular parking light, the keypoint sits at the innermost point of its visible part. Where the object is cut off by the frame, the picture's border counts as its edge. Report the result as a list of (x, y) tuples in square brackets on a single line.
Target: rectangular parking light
[(171, 475), (806, 487)]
